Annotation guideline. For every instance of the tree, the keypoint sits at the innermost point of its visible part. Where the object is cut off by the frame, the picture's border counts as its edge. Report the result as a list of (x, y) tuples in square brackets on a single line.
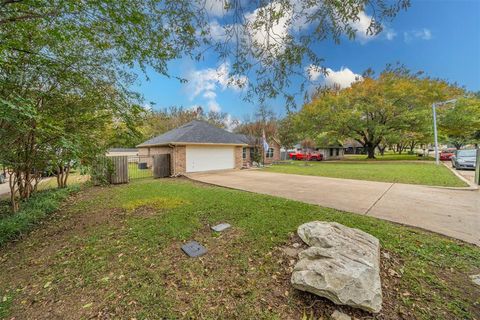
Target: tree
[(161, 121), (374, 109), (287, 134), (263, 121), (83, 52), (460, 122)]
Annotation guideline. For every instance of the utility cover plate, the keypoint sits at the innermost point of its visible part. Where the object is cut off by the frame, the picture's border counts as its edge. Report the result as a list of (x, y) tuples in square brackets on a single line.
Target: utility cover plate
[(194, 249), (221, 227)]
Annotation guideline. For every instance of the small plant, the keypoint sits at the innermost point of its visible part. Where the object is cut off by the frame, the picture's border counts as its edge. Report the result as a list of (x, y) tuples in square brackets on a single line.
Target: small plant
[(101, 171)]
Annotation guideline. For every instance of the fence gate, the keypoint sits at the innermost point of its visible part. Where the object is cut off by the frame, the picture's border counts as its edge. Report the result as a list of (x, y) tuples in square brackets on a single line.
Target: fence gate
[(161, 165), (120, 169)]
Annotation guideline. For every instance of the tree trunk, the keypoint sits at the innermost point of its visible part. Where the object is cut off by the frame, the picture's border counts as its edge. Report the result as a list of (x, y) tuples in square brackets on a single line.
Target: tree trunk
[(12, 181), (412, 146), (370, 151), (382, 150)]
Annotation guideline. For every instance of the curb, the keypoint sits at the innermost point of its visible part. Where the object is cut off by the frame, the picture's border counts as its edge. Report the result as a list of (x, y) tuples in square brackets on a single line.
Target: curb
[(471, 186)]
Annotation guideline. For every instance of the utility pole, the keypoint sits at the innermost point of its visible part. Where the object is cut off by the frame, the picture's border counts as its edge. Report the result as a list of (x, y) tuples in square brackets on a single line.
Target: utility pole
[(434, 109)]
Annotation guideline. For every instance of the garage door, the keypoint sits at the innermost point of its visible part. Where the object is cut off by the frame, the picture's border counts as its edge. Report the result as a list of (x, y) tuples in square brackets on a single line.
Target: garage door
[(206, 158)]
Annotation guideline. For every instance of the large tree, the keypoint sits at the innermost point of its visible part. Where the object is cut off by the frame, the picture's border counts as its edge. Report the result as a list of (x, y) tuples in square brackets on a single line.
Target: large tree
[(66, 65), (459, 122), (396, 103)]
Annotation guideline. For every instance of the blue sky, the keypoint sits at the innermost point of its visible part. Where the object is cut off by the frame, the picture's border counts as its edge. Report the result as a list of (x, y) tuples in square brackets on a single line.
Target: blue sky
[(441, 38)]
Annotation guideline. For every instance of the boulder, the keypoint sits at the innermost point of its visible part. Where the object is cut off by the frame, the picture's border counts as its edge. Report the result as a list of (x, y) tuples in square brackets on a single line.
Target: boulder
[(342, 265)]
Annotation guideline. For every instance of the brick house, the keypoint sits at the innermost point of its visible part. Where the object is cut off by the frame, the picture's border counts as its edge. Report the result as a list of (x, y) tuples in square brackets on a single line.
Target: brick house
[(254, 149), (198, 146)]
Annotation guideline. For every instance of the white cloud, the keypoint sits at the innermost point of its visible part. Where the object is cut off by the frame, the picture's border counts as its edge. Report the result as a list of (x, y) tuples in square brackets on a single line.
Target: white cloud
[(390, 34), (343, 77), (215, 7), (205, 82), (361, 26), (274, 38), (217, 31), (422, 34)]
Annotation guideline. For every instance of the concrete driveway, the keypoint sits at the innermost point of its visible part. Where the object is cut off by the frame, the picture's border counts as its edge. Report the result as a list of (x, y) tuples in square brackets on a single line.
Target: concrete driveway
[(455, 213)]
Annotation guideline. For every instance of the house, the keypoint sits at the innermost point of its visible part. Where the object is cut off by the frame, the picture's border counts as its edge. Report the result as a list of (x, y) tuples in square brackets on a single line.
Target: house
[(352, 146), (253, 152), (195, 147), (330, 152), (199, 146), (334, 152)]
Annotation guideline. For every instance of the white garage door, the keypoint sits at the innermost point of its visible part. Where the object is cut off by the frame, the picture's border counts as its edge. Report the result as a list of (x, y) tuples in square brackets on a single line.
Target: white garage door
[(205, 158)]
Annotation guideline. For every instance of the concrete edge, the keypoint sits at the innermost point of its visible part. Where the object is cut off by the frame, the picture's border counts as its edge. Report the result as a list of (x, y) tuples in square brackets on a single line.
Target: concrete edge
[(471, 186)]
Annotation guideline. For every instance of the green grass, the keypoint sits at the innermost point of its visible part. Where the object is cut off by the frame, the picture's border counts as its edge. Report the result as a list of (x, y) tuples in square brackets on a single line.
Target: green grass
[(387, 157), (135, 173), (424, 173), (31, 212), (125, 259)]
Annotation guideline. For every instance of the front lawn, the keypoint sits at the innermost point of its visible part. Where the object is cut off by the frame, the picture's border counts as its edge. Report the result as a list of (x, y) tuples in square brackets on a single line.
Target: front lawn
[(114, 253), (424, 173), (387, 157)]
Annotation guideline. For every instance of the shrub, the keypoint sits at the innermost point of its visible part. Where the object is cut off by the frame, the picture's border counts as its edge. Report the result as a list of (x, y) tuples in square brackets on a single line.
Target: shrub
[(32, 211)]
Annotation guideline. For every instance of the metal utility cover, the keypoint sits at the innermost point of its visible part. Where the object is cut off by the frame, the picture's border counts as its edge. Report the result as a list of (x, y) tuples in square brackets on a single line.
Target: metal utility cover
[(221, 227), (194, 249)]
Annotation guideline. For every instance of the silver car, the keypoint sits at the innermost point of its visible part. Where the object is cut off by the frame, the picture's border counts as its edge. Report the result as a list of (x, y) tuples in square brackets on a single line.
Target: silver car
[(465, 159)]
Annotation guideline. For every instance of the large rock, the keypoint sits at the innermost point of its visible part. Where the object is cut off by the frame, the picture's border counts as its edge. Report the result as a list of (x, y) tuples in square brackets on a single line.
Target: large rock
[(342, 265)]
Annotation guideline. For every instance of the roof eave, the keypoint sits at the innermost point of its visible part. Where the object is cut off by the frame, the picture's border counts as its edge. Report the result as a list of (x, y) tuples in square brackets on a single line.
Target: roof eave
[(190, 143)]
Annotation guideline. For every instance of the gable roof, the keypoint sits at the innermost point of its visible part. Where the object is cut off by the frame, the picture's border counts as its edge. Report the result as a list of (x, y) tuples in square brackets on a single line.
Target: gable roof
[(195, 132)]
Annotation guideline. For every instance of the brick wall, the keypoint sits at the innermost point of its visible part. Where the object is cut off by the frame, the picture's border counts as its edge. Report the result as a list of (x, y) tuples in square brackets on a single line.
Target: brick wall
[(179, 160), (276, 153), (238, 157)]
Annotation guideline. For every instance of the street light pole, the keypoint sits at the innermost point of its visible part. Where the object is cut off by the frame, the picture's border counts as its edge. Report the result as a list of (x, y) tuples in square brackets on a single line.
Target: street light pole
[(434, 108), (435, 134)]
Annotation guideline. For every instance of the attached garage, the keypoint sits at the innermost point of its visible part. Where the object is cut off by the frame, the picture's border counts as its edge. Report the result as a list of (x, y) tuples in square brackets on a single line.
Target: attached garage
[(208, 158), (197, 147)]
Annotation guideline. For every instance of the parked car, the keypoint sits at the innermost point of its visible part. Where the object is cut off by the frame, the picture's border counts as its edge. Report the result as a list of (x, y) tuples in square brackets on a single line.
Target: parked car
[(447, 154), (298, 155), (465, 159)]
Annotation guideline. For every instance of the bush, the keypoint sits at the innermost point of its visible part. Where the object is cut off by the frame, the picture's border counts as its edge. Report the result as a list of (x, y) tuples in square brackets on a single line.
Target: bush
[(32, 211)]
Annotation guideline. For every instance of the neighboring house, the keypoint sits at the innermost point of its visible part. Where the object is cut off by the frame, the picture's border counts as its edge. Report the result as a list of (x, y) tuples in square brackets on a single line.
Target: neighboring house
[(253, 152), (122, 152), (332, 152), (195, 147), (352, 146)]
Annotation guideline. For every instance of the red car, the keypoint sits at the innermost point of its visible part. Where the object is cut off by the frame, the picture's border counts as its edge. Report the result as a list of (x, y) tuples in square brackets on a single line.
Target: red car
[(298, 155), (446, 155)]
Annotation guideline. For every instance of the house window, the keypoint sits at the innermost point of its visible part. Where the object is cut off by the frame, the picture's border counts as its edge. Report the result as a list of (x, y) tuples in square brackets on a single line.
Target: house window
[(270, 153), (244, 153), (338, 151), (331, 152)]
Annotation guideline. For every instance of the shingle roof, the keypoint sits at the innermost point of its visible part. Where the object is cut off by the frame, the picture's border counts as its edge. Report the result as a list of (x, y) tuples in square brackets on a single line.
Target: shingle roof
[(193, 132)]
